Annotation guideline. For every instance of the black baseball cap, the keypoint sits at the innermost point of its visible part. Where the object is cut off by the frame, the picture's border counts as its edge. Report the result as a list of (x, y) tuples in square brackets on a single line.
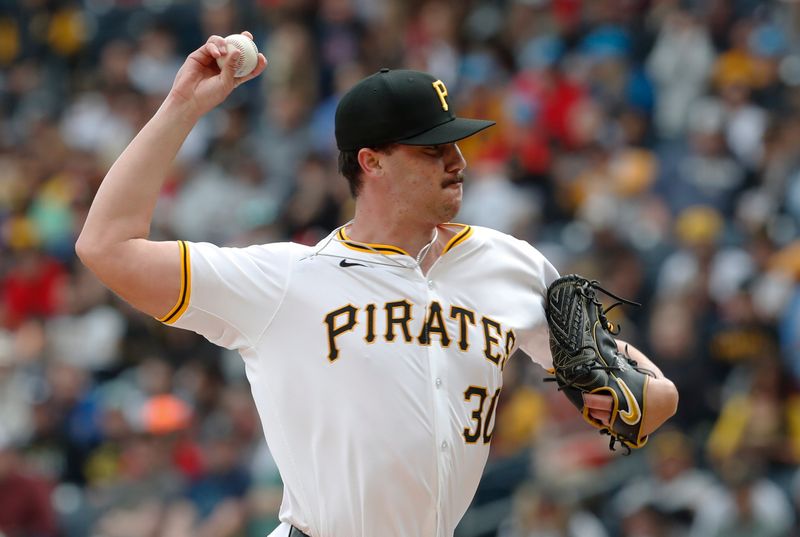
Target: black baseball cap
[(400, 106)]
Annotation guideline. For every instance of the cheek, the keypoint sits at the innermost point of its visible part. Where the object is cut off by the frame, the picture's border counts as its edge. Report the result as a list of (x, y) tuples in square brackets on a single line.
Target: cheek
[(414, 184)]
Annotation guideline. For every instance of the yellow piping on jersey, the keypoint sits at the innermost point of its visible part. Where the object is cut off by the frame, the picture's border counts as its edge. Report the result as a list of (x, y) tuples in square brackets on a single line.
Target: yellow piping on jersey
[(369, 247), (460, 237), (186, 287)]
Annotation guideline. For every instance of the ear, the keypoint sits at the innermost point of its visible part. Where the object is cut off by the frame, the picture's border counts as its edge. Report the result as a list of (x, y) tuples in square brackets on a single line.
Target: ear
[(370, 161)]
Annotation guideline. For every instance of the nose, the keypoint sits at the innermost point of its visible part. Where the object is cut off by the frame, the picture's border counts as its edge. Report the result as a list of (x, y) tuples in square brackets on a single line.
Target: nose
[(454, 160)]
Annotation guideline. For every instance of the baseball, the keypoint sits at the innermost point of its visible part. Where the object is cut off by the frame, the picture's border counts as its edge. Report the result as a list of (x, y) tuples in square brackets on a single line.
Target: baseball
[(248, 54)]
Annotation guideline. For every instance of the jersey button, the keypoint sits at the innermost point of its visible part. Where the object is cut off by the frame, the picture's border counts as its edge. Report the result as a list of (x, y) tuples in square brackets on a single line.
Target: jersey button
[(430, 284), (444, 445), (438, 382)]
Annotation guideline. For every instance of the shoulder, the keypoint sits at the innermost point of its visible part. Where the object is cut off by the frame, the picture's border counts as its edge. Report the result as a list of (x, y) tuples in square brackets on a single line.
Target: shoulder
[(258, 254), (271, 248), (515, 257), (289, 249), (495, 241)]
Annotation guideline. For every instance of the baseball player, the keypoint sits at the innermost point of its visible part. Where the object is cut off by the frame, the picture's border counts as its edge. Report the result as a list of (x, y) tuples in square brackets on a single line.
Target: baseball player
[(375, 357)]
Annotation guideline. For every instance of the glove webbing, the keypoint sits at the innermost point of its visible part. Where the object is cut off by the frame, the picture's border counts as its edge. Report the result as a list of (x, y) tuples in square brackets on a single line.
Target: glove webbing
[(588, 290)]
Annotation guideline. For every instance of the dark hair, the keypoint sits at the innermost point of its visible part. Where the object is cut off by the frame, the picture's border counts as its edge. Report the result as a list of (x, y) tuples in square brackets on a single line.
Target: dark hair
[(351, 169)]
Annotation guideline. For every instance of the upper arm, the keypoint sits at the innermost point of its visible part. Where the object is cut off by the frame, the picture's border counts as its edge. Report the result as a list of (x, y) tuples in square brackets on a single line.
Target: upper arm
[(145, 273), (534, 339), (228, 295)]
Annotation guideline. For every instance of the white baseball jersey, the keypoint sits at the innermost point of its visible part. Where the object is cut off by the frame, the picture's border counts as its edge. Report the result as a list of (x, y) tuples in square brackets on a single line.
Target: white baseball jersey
[(376, 384)]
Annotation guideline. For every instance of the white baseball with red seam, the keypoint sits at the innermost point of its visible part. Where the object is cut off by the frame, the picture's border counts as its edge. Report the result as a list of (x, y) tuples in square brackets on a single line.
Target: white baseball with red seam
[(248, 54)]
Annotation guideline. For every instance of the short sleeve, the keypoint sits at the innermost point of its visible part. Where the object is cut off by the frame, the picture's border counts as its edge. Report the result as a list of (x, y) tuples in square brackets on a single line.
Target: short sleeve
[(535, 341), (230, 295)]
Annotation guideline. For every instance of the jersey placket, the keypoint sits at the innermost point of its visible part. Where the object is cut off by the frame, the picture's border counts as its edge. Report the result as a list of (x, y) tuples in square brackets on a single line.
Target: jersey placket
[(437, 377)]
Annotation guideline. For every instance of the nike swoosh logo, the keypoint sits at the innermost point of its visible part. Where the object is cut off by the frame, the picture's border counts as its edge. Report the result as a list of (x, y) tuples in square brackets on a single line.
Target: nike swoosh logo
[(344, 263), (634, 413)]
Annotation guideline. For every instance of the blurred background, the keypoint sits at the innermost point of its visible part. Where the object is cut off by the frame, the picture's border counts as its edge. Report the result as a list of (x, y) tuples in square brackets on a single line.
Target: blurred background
[(652, 145)]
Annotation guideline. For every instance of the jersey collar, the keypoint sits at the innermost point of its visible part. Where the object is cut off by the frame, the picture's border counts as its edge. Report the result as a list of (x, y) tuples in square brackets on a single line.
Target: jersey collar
[(368, 247), (387, 249), (458, 238)]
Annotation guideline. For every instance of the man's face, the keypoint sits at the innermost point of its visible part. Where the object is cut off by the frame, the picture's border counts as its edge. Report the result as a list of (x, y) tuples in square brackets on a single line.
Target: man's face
[(426, 181)]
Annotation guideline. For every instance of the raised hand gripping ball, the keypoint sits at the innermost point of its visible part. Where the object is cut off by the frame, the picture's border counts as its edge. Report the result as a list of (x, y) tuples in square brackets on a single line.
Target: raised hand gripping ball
[(248, 54)]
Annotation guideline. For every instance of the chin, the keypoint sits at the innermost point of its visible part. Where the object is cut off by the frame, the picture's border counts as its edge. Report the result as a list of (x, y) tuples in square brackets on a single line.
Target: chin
[(450, 211)]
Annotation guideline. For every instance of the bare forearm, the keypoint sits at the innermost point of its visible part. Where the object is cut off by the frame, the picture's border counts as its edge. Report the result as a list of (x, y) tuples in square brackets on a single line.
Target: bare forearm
[(125, 201), (124, 204), (114, 243)]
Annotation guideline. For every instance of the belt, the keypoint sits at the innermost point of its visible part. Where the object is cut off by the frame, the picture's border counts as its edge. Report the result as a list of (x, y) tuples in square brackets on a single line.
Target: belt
[(294, 532)]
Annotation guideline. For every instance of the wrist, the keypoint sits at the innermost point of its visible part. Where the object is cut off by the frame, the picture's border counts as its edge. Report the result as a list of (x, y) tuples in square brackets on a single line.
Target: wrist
[(181, 110)]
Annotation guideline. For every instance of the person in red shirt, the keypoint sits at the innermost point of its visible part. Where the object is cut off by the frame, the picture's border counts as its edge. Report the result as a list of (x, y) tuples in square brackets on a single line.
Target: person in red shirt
[(33, 287), (26, 510)]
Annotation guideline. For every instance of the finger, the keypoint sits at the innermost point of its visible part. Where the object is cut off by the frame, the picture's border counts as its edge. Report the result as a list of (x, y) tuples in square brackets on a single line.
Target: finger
[(248, 35), (598, 402), (204, 55), (219, 42), (260, 66), (213, 50)]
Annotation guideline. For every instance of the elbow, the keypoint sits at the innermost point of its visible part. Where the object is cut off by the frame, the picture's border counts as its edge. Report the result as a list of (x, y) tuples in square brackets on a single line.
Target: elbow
[(88, 251), (671, 399), (662, 400), (83, 249)]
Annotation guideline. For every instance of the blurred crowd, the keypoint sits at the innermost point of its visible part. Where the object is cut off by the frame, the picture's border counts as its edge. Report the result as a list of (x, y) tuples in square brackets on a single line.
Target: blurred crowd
[(650, 144)]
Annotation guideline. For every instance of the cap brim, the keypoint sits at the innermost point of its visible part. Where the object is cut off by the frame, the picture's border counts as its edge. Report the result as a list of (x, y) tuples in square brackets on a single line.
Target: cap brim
[(451, 131)]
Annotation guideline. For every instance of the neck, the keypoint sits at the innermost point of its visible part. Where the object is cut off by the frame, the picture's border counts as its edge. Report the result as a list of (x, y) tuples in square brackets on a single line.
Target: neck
[(412, 236), (382, 220)]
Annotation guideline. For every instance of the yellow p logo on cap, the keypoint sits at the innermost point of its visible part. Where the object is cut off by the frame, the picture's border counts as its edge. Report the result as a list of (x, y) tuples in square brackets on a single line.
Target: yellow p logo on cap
[(441, 91)]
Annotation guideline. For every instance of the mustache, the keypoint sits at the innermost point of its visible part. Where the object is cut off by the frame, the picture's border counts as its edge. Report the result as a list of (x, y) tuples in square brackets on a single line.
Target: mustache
[(455, 180)]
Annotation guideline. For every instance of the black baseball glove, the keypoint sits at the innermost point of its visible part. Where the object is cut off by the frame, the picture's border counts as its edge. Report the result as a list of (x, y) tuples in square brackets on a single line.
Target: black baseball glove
[(586, 358)]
